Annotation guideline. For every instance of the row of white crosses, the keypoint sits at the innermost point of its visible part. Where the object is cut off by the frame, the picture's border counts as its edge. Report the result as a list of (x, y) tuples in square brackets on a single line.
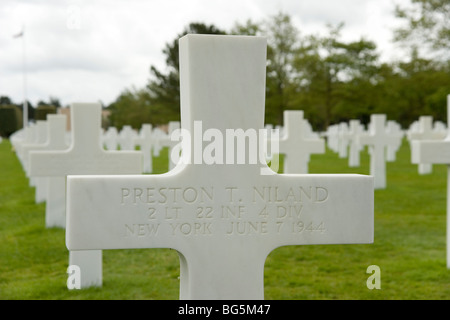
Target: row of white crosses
[(222, 219), (42, 135), (46, 156), (148, 139), (85, 155), (207, 212), (340, 136), (343, 139), (49, 176), (383, 138)]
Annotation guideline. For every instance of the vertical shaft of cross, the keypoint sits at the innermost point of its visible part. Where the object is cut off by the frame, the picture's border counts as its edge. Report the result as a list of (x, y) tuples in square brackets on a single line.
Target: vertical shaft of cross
[(200, 278), (208, 89)]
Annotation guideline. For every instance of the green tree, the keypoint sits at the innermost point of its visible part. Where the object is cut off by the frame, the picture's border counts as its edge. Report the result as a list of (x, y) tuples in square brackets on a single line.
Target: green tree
[(5, 100), (10, 119), (283, 41), (282, 44), (43, 110), (250, 28), (426, 25), (132, 107), (53, 101), (414, 88), (334, 77)]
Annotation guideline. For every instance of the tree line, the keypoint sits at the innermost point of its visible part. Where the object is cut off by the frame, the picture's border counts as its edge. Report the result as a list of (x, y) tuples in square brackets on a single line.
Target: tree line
[(332, 80)]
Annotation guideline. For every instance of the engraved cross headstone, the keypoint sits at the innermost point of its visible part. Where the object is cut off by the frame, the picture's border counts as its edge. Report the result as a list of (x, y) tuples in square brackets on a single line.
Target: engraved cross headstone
[(85, 156), (223, 219), (436, 152)]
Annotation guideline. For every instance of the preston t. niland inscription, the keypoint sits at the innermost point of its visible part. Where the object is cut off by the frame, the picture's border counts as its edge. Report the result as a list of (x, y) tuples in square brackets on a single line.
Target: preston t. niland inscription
[(195, 210)]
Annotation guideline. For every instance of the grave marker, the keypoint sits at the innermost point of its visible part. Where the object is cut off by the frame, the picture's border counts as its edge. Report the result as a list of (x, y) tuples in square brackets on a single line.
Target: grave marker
[(356, 129), (332, 134), (436, 152), (110, 138), (394, 130), (29, 136), (222, 219), (425, 132), (343, 138), (55, 211), (126, 138), (40, 183), (378, 140), (86, 155)]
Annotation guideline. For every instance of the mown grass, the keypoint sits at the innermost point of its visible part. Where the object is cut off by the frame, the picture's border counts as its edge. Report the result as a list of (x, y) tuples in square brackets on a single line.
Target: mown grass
[(409, 247)]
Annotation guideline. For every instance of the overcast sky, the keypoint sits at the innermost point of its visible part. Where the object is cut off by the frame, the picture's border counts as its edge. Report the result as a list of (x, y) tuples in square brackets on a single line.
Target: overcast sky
[(88, 51)]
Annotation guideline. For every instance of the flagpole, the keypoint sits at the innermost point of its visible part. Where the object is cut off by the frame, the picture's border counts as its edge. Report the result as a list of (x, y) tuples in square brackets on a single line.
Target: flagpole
[(24, 66)]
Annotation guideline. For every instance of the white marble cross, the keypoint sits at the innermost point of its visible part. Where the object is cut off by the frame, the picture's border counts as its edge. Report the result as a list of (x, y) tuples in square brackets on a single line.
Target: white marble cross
[(332, 135), (425, 132), (86, 155), (436, 152), (110, 138), (355, 130), (378, 140), (223, 219), (28, 137), (343, 138), (296, 145), (40, 183), (394, 130), (55, 211)]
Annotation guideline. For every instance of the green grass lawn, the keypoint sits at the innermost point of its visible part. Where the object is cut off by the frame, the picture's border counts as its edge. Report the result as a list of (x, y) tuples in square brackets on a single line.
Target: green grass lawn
[(409, 247)]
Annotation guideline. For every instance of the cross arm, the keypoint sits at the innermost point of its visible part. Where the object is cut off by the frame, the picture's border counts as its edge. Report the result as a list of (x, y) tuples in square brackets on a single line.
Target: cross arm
[(170, 211), (67, 162)]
